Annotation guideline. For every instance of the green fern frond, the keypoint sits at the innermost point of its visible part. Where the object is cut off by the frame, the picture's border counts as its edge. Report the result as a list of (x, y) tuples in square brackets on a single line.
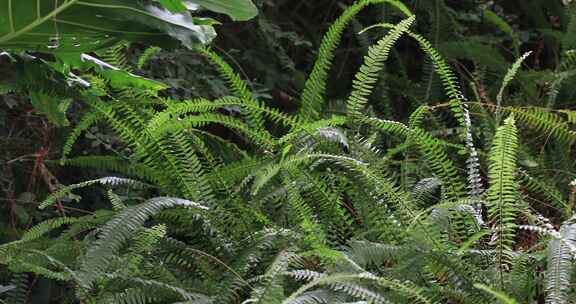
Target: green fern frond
[(502, 194), (312, 128), (270, 288), (38, 262), (239, 88), (432, 149), (502, 298), (117, 231), (312, 98), (154, 288), (116, 56), (178, 110), (543, 120), (115, 200), (539, 186), (148, 53), (407, 289), (560, 265), (46, 226), (440, 163), (510, 74), (107, 181), (18, 294), (201, 120), (366, 77), (87, 121), (418, 116), (367, 253), (237, 85), (119, 165)]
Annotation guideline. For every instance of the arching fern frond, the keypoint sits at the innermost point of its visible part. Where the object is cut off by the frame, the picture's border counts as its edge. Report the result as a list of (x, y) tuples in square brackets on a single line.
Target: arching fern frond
[(117, 231), (510, 74), (312, 98), (107, 181), (238, 87), (366, 77), (547, 122)]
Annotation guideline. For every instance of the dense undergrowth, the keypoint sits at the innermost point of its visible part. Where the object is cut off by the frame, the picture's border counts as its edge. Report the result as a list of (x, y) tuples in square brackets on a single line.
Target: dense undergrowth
[(433, 170)]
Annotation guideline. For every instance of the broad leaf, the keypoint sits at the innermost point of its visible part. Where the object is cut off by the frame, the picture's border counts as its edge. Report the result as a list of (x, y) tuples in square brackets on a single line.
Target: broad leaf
[(118, 78), (175, 6), (86, 25), (240, 10)]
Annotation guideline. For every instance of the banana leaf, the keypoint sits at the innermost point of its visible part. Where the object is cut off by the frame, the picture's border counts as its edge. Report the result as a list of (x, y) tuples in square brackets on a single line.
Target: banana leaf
[(86, 25)]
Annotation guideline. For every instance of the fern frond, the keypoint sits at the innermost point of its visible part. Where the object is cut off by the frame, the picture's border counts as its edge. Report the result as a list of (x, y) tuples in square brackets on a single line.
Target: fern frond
[(119, 230), (539, 186), (502, 194), (237, 85), (119, 165), (107, 181), (510, 74), (154, 288), (87, 121), (196, 121), (502, 298), (440, 163), (560, 265), (181, 109), (366, 77), (148, 53), (270, 289), (46, 226), (407, 289), (312, 98), (543, 120), (18, 294)]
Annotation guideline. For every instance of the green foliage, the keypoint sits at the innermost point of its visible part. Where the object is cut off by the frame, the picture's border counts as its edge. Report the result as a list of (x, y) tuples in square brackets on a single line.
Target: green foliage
[(502, 196), (235, 198), (312, 100), (61, 26), (561, 251), (363, 85)]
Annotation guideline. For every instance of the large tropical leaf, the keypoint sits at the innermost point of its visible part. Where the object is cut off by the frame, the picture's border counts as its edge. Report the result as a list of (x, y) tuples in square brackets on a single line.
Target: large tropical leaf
[(240, 10), (86, 25)]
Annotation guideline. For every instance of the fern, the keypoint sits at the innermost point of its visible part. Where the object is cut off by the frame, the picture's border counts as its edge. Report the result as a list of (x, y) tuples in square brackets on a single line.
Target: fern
[(544, 121), (373, 64), (502, 194), (510, 74), (502, 298), (110, 181), (118, 231), (147, 55), (560, 264), (312, 96), (18, 294), (238, 86)]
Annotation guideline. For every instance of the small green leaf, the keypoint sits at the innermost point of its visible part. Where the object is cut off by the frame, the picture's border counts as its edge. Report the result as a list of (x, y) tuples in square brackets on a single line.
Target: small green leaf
[(52, 106)]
